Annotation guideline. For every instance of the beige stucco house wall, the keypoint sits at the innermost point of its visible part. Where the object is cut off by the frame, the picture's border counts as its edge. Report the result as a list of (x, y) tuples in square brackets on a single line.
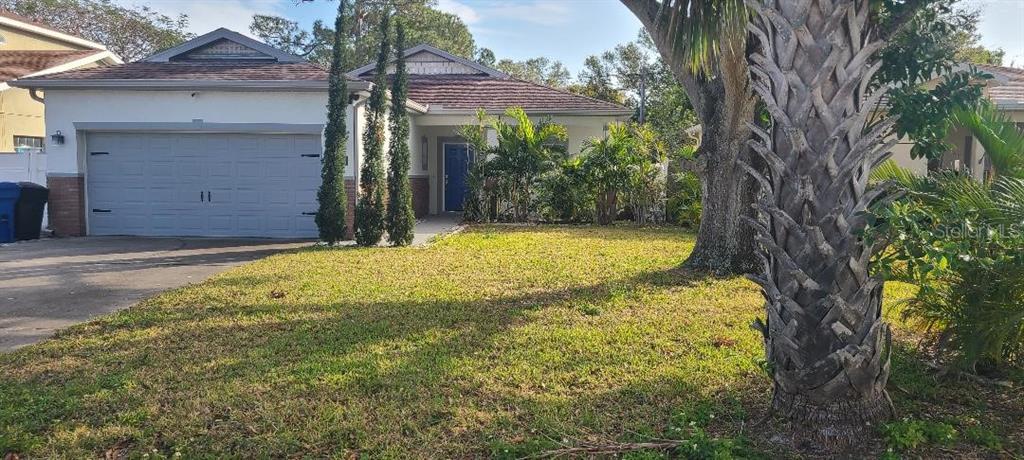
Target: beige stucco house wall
[(21, 114)]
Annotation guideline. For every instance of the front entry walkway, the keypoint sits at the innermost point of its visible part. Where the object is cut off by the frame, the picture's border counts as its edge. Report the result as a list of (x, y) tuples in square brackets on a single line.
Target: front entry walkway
[(436, 225)]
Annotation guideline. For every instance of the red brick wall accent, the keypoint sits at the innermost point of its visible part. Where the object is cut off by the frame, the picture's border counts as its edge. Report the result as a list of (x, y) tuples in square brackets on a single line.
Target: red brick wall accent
[(420, 195), (350, 213), (66, 208)]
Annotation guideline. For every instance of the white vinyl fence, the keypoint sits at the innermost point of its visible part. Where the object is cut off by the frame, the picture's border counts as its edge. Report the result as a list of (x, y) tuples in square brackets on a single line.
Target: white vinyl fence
[(26, 165)]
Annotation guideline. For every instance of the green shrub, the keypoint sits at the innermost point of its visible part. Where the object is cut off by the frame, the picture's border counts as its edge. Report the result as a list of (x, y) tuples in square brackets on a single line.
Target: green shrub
[(909, 434), (684, 202), (969, 267), (961, 241), (565, 194)]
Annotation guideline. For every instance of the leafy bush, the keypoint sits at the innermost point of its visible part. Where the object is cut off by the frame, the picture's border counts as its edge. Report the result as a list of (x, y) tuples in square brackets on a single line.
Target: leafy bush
[(502, 182), (908, 434), (624, 166), (684, 203), (961, 241), (565, 194)]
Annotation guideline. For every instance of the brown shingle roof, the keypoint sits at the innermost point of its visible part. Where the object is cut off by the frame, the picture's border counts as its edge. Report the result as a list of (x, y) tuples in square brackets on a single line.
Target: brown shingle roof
[(1010, 92), (14, 64), (232, 71), (462, 92)]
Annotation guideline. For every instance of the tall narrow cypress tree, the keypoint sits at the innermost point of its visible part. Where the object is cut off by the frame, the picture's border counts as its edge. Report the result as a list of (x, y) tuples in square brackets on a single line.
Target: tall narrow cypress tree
[(370, 207), (333, 201), (400, 219)]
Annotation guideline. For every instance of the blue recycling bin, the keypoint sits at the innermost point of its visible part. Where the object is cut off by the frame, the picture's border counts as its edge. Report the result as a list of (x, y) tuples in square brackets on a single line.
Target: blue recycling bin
[(9, 192)]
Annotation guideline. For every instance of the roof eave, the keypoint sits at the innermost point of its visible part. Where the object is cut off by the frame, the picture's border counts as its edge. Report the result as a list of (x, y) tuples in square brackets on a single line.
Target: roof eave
[(436, 110), (154, 84), (105, 56)]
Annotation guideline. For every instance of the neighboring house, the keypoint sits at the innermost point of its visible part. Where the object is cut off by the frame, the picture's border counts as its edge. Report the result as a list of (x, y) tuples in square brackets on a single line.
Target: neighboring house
[(1006, 91), (29, 49), (222, 136)]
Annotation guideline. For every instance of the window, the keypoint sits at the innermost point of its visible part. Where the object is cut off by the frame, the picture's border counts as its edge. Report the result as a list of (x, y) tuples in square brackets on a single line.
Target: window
[(28, 141)]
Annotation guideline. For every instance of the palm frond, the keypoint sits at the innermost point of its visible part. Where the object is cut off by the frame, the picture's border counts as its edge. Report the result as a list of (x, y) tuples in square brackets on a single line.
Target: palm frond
[(701, 29), (998, 135), (889, 171)]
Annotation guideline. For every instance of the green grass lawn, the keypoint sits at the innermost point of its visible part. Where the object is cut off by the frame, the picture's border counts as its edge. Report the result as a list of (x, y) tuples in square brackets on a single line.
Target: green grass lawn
[(499, 342)]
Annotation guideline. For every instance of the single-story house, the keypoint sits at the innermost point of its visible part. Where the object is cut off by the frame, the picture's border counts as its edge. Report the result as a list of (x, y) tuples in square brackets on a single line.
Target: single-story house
[(222, 136), (1006, 91)]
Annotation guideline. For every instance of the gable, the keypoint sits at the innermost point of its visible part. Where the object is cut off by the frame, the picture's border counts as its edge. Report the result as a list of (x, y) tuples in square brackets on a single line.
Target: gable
[(222, 49), (428, 60), (427, 63), (223, 45)]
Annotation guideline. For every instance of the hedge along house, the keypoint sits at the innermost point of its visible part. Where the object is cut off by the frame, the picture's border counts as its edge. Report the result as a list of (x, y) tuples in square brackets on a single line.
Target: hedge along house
[(223, 135)]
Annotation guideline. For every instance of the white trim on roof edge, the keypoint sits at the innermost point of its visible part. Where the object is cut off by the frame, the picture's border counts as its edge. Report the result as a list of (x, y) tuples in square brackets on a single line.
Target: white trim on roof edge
[(111, 58), (357, 73), (11, 22), (185, 85), (227, 34)]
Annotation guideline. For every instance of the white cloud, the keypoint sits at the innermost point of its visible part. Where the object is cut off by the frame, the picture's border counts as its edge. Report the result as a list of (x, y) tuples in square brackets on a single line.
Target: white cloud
[(542, 12), (207, 15), (462, 10), (545, 13)]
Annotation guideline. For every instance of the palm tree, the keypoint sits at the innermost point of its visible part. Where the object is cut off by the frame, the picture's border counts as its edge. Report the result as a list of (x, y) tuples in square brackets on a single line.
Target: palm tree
[(607, 160), (704, 43), (523, 153), (827, 347)]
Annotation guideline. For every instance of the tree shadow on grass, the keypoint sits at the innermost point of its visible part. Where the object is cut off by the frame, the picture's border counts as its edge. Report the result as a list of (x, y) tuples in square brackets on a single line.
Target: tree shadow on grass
[(276, 377)]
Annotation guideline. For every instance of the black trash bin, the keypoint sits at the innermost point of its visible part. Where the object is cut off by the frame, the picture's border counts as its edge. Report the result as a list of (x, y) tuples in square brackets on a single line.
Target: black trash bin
[(28, 211)]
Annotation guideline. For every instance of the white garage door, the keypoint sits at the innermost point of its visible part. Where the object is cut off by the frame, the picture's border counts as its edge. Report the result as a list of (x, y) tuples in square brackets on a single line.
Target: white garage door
[(176, 184)]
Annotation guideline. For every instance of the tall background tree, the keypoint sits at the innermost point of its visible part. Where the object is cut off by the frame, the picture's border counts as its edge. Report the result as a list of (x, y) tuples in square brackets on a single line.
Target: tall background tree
[(424, 23), (370, 209), (400, 217), (129, 32), (332, 197), (704, 46)]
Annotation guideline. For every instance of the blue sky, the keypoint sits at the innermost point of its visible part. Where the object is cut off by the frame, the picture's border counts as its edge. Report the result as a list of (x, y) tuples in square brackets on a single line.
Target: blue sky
[(567, 30)]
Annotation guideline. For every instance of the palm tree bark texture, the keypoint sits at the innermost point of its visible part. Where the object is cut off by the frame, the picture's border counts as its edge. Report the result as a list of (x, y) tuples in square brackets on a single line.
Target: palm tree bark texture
[(725, 105), (827, 347)]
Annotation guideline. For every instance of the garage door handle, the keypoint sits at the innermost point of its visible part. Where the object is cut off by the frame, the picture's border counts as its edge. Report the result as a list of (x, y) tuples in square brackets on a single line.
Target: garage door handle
[(99, 153), (100, 210), (201, 196), (209, 197), (309, 213), (311, 155)]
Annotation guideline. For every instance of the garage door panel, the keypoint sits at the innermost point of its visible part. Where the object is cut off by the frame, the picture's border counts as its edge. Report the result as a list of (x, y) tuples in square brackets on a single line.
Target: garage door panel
[(169, 184)]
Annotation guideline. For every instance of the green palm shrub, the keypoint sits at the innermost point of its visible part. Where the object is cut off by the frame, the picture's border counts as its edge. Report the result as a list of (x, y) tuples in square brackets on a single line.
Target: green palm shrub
[(962, 241), (475, 207), (684, 204), (565, 194), (623, 167), (503, 179)]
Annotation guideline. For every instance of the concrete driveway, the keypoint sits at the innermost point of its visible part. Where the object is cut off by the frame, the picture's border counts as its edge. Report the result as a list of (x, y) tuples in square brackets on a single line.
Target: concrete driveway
[(50, 284)]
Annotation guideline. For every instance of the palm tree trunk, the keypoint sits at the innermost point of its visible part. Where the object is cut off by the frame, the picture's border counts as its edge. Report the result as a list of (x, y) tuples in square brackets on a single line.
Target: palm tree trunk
[(826, 343)]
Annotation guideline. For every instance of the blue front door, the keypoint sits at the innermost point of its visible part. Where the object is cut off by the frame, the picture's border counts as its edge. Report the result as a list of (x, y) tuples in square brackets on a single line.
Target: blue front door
[(456, 167)]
